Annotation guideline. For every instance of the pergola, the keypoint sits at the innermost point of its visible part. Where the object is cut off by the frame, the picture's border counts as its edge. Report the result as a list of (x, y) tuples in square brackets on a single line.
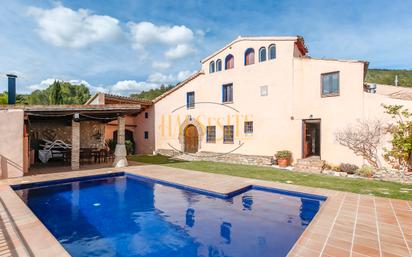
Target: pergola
[(76, 113)]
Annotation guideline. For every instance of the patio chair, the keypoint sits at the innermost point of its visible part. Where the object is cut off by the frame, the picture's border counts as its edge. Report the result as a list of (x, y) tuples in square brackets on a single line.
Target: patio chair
[(86, 155), (103, 155), (53, 149)]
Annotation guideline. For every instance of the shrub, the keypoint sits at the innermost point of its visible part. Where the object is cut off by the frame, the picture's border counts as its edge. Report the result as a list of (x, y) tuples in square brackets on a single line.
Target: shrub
[(348, 168), (330, 166), (283, 154), (363, 138), (111, 144), (365, 171), (129, 147), (400, 154)]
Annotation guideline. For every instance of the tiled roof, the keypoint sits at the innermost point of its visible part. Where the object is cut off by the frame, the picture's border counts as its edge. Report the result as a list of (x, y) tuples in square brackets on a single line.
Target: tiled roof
[(181, 84), (119, 98), (131, 99), (403, 93), (74, 108)]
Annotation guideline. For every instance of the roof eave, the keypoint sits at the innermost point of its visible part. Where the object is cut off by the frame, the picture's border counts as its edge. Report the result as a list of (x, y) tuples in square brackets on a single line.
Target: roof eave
[(238, 39)]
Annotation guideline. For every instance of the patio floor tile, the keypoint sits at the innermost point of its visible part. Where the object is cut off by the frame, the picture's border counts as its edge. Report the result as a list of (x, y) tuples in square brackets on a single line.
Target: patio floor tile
[(346, 225)]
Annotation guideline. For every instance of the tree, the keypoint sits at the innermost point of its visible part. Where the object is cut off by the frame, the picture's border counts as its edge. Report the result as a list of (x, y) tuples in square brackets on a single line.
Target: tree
[(399, 156), (60, 92), (38, 97), (152, 93), (3, 98), (56, 93), (363, 138)]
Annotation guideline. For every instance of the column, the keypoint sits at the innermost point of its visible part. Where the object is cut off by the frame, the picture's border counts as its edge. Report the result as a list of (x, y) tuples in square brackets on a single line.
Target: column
[(75, 145), (120, 153)]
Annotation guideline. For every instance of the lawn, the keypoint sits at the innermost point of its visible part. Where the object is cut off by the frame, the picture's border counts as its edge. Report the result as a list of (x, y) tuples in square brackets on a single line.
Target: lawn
[(361, 186)]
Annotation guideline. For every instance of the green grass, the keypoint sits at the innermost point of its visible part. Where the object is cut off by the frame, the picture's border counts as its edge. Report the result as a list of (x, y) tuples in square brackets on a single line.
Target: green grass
[(361, 186), (387, 77)]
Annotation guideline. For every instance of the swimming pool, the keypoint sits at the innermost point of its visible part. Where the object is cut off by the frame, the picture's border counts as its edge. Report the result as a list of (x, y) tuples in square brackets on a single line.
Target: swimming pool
[(127, 215)]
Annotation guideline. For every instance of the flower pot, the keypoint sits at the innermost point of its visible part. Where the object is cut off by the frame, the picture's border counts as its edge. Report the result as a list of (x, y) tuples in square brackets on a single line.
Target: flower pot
[(283, 162)]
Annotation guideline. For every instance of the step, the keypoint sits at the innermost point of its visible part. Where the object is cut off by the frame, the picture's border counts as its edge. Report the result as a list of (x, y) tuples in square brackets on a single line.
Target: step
[(311, 164)]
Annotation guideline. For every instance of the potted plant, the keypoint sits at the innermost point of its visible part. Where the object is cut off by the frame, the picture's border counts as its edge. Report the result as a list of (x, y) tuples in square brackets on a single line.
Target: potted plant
[(283, 157)]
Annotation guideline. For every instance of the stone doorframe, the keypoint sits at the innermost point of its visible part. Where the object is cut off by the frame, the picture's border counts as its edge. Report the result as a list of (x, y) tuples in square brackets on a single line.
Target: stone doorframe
[(182, 128)]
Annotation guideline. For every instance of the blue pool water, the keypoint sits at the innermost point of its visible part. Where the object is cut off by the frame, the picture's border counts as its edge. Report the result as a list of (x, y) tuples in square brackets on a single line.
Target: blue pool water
[(130, 216)]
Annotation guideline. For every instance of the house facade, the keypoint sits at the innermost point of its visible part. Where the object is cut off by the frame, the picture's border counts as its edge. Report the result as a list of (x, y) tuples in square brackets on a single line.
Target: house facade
[(250, 99), (259, 95)]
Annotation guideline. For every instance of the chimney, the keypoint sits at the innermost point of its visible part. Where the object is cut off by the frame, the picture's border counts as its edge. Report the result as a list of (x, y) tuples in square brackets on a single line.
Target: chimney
[(12, 88)]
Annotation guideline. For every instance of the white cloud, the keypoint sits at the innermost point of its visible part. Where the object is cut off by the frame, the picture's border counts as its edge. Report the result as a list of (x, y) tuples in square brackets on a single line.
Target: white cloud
[(47, 82), (178, 39), (132, 85), (62, 26), (180, 51), (144, 33), (161, 78), (42, 85), (127, 87), (161, 65), (93, 89)]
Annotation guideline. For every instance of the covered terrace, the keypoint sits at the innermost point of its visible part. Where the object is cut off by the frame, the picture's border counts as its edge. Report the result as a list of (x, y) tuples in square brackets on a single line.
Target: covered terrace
[(74, 135)]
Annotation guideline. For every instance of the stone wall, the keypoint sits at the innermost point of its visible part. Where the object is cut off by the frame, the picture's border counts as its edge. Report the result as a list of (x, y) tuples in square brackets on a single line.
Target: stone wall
[(220, 157), (91, 132)]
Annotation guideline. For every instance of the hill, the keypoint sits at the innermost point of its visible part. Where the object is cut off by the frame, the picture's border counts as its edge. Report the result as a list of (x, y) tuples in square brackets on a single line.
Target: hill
[(152, 93), (387, 77)]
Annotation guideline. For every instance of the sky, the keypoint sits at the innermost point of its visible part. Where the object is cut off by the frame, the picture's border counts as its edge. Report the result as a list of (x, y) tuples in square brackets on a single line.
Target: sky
[(126, 46)]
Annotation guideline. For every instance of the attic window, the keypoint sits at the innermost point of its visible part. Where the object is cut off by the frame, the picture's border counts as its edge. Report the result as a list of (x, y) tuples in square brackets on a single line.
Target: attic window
[(229, 62), (218, 65), (211, 67)]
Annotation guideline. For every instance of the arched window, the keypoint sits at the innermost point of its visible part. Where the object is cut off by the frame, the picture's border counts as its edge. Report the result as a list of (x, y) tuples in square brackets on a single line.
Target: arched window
[(218, 65), (211, 67), (249, 56), (272, 52), (229, 62), (262, 54)]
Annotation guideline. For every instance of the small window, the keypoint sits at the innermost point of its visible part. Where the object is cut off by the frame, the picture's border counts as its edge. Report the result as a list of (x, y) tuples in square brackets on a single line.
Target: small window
[(228, 134), (211, 134), (248, 127), (190, 100), (262, 54), (219, 65), (146, 135), (272, 52), (229, 62), (227, 93), (264, 91), (146, 115), (330, 84), (211, 67), (249, 56)]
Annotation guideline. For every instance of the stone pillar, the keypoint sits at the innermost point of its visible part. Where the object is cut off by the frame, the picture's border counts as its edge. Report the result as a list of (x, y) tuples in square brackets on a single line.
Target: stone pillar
[(120, 153), (75, 145)]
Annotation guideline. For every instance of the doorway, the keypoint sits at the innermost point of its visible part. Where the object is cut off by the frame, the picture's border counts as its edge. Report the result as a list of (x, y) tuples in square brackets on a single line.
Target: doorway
[(191, 142), (311, 138)]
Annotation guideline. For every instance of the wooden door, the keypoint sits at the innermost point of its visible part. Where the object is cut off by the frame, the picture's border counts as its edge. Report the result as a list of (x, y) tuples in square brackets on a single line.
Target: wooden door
[(311, 138), (191, 139), (307, 146)]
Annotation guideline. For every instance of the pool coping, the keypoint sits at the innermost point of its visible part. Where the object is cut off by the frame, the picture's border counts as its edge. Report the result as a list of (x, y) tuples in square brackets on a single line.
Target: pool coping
[(335, 230)]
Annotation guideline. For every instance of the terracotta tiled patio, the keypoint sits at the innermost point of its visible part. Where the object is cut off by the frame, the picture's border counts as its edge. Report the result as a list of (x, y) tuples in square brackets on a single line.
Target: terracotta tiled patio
[(346, 225)]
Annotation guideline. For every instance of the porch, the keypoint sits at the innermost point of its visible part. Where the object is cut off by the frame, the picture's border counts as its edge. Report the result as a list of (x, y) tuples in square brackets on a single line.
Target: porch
[(69, 137)]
